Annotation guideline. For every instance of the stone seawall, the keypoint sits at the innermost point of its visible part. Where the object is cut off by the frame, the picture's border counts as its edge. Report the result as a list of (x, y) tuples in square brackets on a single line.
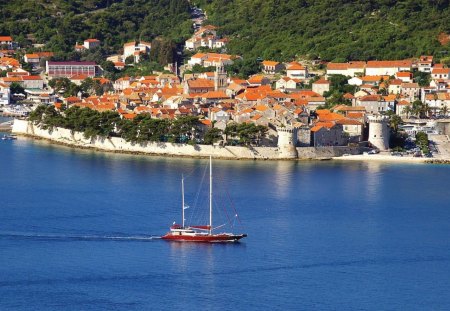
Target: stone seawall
[(116, 144)]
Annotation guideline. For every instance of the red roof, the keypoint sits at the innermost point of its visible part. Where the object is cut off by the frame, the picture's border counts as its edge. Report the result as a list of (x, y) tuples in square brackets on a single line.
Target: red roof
[(73, 63), (6, 38)]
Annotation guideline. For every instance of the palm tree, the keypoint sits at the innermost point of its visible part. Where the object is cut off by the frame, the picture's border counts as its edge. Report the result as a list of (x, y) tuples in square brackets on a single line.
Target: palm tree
[(394, 122), (444, 110), (425, 110), (408, 110)]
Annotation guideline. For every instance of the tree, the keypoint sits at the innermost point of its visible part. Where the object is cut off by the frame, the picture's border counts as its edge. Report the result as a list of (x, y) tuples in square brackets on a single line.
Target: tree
[(129, 60), (16, 88), (394, 122), (408, 110), (444, 110), (212, 136), (64, 86), (230, 130)]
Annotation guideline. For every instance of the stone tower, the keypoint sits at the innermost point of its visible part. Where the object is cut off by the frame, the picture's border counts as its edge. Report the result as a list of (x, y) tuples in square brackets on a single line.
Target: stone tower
[(379, 132), (220, 77), (287, 142)]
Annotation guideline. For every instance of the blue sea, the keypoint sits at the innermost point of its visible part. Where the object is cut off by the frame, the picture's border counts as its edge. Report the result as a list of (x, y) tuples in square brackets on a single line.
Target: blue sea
[(77, 232)]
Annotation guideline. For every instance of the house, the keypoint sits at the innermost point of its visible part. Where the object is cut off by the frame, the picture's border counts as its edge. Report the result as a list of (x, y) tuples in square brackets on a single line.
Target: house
[(5, 93), (374, 104), (395, 86), (410, 90), (32, 59), (389, 68), (321, 86), (355, 81), (405, 76), (354, 128), (211, 59), (440, 73), (425, 63), (7, 42), (286, 83), (198, 86), (35, 58), (7, 63), (234, 89), (135, 49), (328, 134), (218, 114), (79, 47), (119, 65), (295, 70), (271, 67), (70, 69), (32, 82), (400, 108), (437, 101), (351, 69), (373, 80), (91, 43), (258, 80), (122, 83), (193, 43)]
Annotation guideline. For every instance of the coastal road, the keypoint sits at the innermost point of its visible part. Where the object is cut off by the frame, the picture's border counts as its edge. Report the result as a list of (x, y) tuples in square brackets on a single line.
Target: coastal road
[(443, 145)]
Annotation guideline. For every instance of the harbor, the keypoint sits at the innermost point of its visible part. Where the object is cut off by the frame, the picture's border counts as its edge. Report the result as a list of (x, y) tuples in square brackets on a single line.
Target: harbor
[(78, 229)]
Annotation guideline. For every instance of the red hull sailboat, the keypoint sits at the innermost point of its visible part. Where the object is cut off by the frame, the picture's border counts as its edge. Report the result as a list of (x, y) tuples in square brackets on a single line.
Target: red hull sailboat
[(203, 233)]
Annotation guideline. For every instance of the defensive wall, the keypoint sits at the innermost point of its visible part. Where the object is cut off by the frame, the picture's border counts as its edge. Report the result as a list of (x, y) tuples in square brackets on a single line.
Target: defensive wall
[(116, 144)]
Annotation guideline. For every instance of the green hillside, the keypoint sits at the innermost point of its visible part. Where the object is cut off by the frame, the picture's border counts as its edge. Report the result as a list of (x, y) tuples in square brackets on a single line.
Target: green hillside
[(332, 29), (61, 23)]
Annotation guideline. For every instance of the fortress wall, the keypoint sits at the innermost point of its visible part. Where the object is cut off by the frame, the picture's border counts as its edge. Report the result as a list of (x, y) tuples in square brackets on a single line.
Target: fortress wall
[(117, 144)]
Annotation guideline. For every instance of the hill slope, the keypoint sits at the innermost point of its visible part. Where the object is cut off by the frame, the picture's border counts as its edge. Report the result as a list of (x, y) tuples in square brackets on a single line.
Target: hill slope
[(60, 23), (332, 29)]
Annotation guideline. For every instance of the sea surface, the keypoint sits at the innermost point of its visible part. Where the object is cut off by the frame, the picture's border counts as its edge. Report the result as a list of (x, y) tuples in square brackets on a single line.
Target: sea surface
[(78, 231)]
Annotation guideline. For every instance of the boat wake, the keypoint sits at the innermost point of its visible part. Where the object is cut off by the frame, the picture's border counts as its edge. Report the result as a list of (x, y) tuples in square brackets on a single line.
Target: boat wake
[(65, 238)]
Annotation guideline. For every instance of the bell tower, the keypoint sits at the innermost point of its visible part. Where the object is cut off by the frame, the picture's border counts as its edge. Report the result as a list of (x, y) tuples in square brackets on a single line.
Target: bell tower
[(220, 77)]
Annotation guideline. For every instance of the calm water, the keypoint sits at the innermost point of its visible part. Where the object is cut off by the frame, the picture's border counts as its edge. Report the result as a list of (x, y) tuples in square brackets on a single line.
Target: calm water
[(75, 231)]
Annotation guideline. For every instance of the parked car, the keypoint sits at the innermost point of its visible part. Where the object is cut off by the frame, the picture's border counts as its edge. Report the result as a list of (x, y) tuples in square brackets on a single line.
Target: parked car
[(396, 154)]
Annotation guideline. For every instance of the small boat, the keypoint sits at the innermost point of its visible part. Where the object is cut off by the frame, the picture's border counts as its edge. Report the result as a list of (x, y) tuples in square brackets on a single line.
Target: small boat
[(9, 137), (199, 233)]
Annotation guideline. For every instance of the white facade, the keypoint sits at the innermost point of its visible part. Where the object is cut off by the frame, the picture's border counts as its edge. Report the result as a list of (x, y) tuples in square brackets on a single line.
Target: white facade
[(135, 48), (379, 132), (287, 141), (4, 94)]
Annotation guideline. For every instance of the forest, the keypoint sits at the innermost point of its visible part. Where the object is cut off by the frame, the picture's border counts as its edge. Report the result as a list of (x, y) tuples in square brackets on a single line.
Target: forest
[(332, 30), (59, 24)]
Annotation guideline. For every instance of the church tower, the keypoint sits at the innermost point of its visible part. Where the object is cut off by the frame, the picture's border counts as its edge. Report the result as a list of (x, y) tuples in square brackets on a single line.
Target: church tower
[(220, 77)]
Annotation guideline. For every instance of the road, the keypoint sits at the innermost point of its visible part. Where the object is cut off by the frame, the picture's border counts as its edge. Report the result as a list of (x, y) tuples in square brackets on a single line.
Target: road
[(442, 143)]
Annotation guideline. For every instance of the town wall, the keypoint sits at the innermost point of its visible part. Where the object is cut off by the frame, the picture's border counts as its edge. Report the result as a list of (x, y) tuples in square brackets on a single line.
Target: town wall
[(116, 144)]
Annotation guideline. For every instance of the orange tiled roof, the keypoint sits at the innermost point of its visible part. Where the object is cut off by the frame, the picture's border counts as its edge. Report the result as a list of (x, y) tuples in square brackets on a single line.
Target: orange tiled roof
[(270, 63), (388, 63)]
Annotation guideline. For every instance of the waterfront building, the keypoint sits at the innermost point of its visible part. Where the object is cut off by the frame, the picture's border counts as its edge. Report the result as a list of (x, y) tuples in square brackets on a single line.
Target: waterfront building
[(70, 69)]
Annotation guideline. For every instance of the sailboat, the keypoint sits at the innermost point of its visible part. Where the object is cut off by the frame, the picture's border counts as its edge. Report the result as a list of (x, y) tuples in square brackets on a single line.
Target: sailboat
[(201, 233)]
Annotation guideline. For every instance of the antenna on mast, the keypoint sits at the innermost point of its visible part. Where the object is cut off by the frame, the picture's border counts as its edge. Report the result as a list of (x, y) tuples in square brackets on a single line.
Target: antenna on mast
[(210, 194)]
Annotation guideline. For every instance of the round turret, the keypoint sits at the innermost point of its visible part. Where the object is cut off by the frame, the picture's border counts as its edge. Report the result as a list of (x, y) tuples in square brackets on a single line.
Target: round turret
[(379, 132), (287, 142)]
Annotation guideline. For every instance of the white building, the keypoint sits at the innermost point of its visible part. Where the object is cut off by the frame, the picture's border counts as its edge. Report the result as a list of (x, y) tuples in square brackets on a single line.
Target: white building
[(135, 49), (4, 94), (425, 64), (390, 68), (295, 70), (350, 69), (91, 43)]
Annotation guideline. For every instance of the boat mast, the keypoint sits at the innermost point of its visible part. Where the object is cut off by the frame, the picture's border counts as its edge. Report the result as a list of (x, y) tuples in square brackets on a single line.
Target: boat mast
[(210, 194), (182, 200)]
